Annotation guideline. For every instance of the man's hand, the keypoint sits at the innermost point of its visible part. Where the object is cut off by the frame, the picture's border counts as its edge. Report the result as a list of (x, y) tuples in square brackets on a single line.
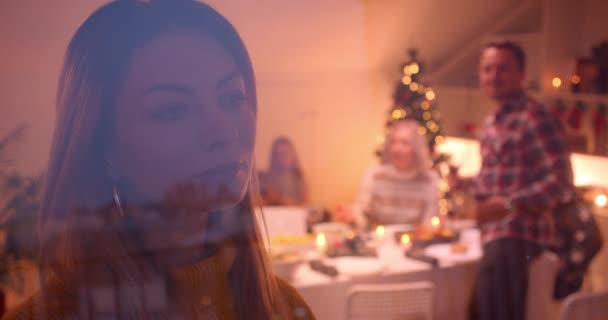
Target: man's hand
[(457, 182), (490, 210), (343, 214)]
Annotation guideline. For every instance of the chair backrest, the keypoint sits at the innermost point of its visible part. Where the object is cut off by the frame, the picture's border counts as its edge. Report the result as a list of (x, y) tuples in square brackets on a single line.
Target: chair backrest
[(586, 305), (541, 282), (412, 300), (283, 220)]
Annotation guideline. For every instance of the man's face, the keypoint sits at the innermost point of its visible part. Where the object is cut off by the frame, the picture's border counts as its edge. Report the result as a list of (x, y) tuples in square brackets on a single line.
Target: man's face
[(500, 75)]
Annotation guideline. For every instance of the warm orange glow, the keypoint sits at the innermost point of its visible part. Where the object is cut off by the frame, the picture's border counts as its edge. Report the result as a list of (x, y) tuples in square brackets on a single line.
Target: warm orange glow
[(406, 80), (431, 125), (380, 231), (439, 140), (414, 68), (350, 235), (405, 238), (398, 114), (407, 70), (576, 79), (421, 131), (413, 86), (601, 200), (556, 82), (435, 221), (425, 105), (321, 240), (426, 115), (430, 95)]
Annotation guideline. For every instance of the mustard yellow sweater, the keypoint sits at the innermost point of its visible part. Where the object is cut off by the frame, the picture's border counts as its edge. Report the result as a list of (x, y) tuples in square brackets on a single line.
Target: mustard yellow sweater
[(203, 283)]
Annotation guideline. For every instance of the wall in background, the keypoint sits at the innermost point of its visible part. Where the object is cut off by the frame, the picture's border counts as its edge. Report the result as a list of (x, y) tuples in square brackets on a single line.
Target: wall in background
[(325, 69)]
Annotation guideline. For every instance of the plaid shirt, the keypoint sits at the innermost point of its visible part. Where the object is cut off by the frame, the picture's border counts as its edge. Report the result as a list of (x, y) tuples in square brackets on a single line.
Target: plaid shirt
[(525, 159)]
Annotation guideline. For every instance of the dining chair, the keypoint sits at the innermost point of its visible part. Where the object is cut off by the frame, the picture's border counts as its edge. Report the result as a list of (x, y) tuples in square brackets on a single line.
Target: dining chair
[(541, 282), (586, 305), (411, 300)]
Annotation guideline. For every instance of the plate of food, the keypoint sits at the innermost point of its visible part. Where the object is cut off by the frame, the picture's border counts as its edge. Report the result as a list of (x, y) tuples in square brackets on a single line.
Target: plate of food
[(289, 243), (285, 264), (453, 252), (287, 252), (425, 236)]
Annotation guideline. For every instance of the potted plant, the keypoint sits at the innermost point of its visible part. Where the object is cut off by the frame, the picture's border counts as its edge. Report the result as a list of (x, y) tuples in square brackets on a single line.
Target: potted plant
[(19, 209)]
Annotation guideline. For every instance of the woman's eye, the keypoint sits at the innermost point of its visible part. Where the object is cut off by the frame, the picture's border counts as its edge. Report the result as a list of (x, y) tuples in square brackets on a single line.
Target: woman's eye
[(170, 112), (232, 101)]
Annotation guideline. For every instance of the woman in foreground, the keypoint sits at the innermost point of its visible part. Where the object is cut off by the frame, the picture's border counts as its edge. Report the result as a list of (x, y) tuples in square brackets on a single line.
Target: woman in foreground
[(147, 211)]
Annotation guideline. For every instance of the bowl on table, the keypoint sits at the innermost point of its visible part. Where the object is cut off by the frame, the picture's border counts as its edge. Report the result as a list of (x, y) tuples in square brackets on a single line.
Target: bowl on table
[(285, 265), (287, 252)]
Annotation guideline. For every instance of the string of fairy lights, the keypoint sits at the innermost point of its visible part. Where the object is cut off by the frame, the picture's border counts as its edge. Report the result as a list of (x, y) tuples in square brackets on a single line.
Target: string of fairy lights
[(417, 104)]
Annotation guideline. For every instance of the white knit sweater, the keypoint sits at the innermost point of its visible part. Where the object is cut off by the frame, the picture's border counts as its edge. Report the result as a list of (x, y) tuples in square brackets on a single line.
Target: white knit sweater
[(388, 196)]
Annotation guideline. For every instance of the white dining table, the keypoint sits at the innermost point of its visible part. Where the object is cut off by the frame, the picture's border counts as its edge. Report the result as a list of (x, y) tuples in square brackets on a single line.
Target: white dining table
[(453, 283)]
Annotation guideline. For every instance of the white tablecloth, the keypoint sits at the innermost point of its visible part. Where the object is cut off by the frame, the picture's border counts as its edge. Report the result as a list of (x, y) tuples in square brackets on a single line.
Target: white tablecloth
[(453, 285)]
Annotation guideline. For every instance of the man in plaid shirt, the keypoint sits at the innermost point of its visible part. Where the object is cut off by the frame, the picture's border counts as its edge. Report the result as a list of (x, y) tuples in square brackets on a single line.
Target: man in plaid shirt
[(525, 174)]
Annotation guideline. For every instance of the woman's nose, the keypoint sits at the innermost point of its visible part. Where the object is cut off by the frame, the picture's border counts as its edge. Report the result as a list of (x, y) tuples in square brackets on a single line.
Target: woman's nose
[(217, 132)]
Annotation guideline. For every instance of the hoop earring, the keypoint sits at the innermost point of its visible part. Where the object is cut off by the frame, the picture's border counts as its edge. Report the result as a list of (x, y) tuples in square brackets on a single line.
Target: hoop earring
[(117, 202)]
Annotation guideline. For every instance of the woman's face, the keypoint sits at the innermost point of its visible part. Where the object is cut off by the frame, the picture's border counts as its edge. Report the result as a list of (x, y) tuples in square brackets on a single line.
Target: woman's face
[(401, 153), (183, 126)]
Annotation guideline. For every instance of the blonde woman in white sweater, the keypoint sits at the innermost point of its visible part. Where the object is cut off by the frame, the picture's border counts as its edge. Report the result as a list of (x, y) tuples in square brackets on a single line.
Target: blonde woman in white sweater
[(404, 187)]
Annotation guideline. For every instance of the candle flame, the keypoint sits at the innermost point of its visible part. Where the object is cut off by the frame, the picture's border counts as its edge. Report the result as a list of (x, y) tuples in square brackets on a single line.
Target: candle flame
[(405, 238), (321, 240), (435, 221), (601, 200), (380, 230)]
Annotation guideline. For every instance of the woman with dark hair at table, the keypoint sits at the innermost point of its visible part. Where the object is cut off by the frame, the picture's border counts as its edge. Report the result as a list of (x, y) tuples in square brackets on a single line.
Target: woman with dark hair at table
[(283, 184)]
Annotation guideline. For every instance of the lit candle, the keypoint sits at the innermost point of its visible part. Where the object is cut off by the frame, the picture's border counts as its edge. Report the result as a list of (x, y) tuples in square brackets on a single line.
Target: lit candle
[(556, 82), (406, 241), (321, 242), (435, 221), (350, 235), (380, 231), (601, 200)]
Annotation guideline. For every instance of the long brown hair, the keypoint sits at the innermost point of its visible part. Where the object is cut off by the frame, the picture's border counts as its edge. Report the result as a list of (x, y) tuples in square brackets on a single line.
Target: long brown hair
[(274, 156), (92, 74)]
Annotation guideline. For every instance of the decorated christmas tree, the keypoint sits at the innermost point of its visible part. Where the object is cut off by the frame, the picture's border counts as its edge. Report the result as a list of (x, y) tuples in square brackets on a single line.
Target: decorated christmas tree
[(416, 100)]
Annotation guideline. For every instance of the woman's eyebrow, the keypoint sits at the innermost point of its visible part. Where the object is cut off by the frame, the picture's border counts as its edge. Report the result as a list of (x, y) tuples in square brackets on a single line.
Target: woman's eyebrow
[(171, 87), (227, 78)]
